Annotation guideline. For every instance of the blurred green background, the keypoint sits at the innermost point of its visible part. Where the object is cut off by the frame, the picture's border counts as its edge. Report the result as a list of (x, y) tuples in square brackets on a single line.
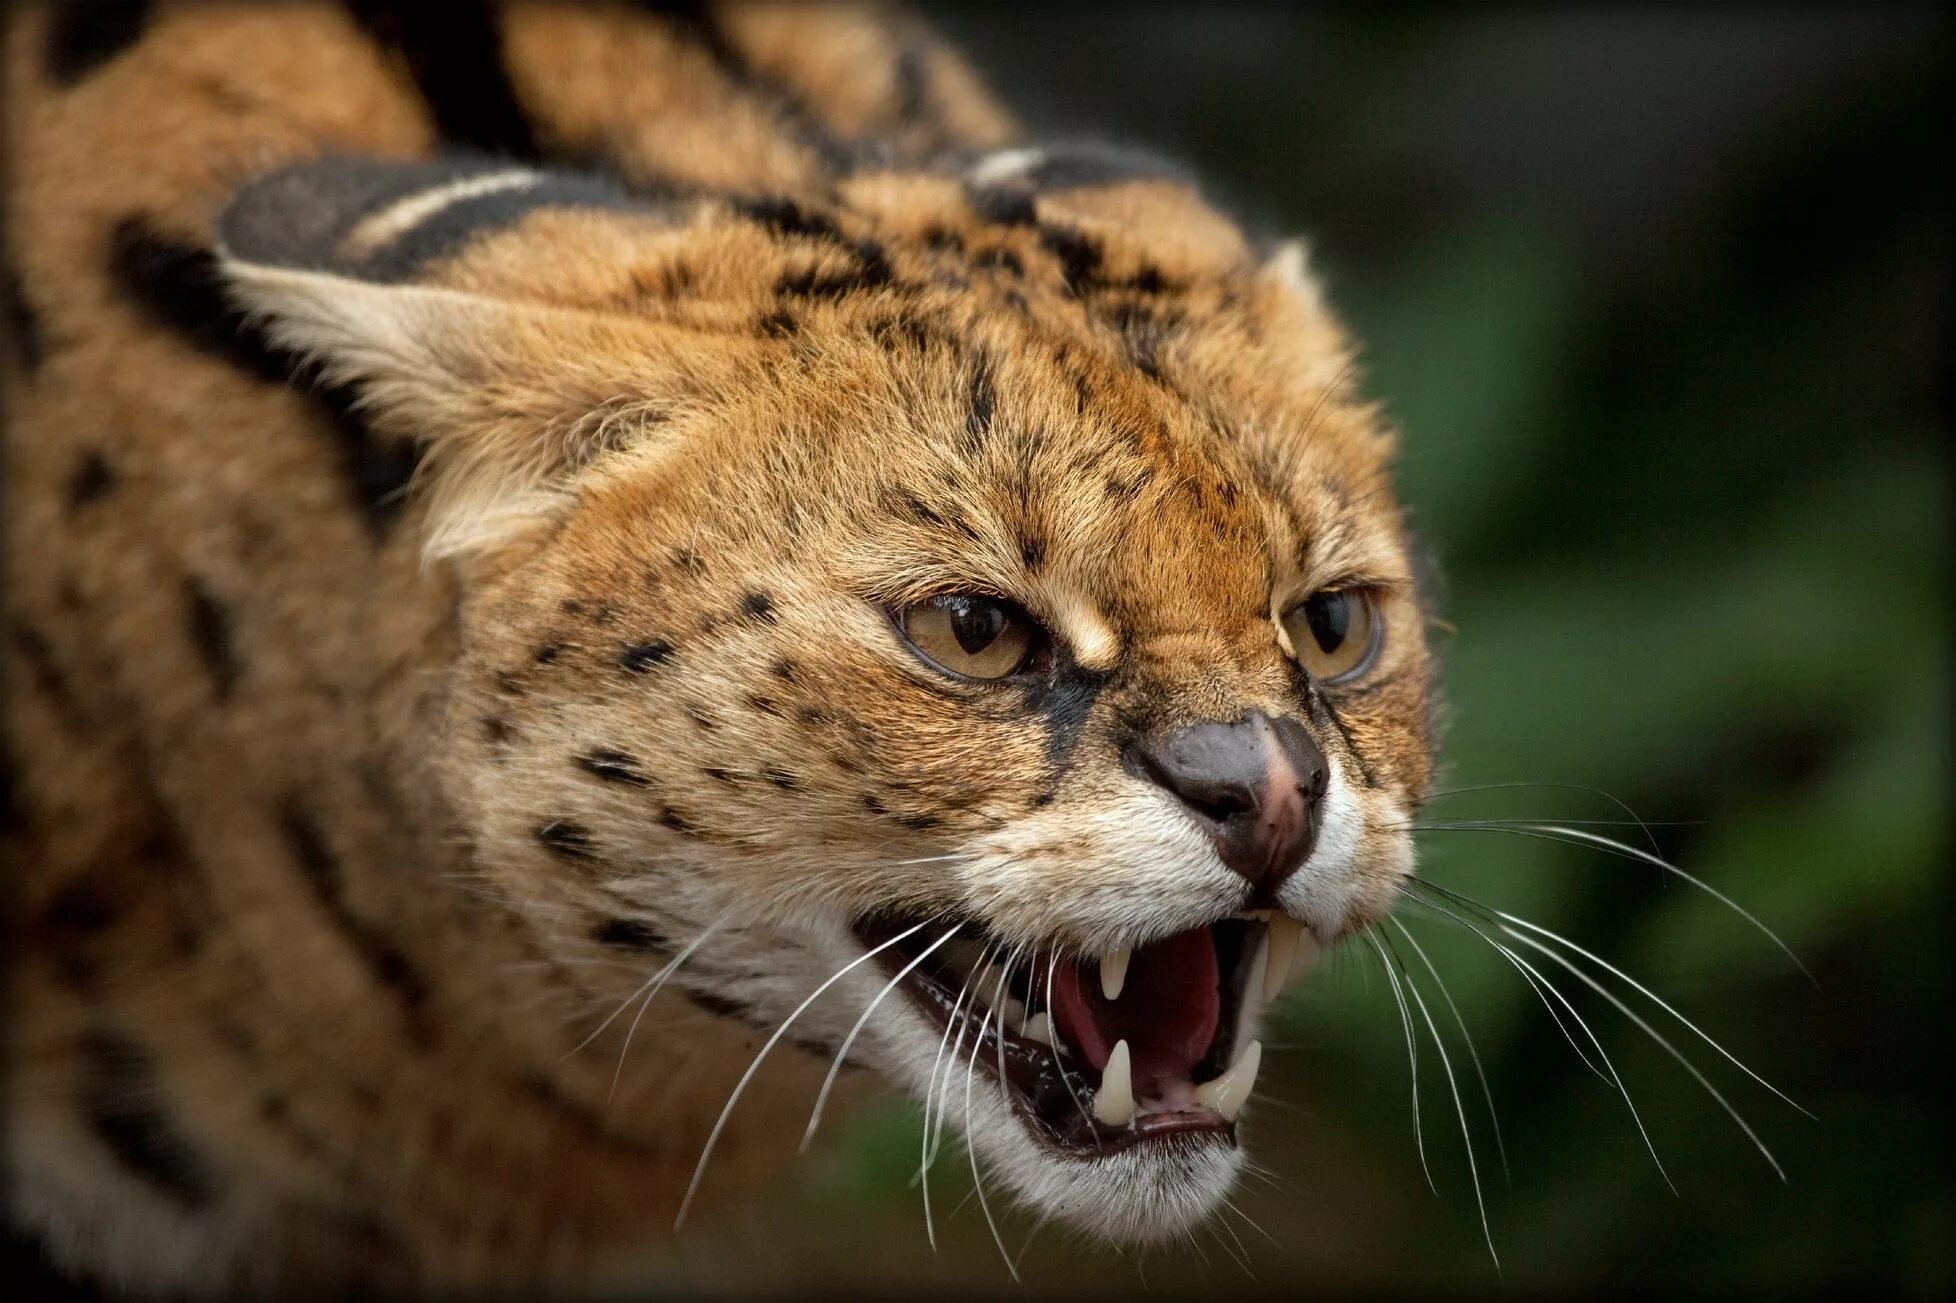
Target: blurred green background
[(1658, 298)]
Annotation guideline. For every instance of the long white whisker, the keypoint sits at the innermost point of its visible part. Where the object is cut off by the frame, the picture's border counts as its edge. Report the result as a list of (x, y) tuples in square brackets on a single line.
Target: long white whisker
[(1558, 832), (1473, 1054), (1656, 1036), (651, 984), (1539, 980), (1460, 1110), (1412, 1056), (713, 1137), (928, 1154), (1653, 997), (970, 1149), (1065, 1079), (842, 1054)]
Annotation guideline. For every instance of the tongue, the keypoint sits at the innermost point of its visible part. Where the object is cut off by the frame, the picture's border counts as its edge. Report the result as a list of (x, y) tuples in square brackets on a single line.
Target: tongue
[(1167, 1011)]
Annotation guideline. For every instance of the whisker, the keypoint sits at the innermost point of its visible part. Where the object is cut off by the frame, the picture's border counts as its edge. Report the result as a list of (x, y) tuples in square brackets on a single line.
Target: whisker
[(970, 1149), (1537, 979), (1460, 1109), (651, 986), (928, 1153), (1651, 1032), (1568, 836), (1412, 1055), (1473, 1054), (713, 1137), (1613, 799), (842, 1054), (1655, 999)]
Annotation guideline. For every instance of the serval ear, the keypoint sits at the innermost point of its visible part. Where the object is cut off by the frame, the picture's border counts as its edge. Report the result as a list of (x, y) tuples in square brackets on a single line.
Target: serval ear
[(370, 270)]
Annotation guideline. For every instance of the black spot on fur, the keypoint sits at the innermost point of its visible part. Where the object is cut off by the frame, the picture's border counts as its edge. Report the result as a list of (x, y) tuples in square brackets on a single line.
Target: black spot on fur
[(121, 1099), (679, 823), (23, 322), (759, 606), (640, 657), (782, 779), (571, 606), (507, 685), (943, 238), (81, 37), (1080, 257), (209, 625), (320, 868), (454, 54), (570, 840), (628, 934), (874, 804), (1032, 551), (783, 669), (919, 822), (614, 767), (872, 271), (785, 217), (779, 324), (496, 728), (718, 774), (1002, 260), (548, 653), (91, 482)]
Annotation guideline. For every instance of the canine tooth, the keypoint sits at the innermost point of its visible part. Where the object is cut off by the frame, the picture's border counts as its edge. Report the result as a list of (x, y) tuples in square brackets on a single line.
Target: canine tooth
[(1010, 1012), (1285, 933), (1039, 1028), (1113, 971), (1227, 1093), (1113, 1103)]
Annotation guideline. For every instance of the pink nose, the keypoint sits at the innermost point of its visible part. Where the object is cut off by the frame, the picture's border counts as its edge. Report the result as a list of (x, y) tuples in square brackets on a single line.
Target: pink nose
[(1254, 786)]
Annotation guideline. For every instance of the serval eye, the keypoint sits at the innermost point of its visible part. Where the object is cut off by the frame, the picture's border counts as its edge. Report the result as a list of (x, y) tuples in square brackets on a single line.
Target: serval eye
[(973, 637), (1334, 634)]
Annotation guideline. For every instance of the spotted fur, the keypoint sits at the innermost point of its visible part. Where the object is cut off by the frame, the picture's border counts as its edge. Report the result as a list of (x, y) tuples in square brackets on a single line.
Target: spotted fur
[(457, 473)]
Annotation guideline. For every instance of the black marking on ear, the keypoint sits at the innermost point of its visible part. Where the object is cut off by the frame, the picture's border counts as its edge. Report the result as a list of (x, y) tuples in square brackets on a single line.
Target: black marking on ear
[(981, 397), (320, 868), (81, 37), (121, 1100), (454, 53), (211, 635), (91, 482), (1006, 205), (639, 658), (628, 934), (23, 322), (614, 767), (568, 839), (1082, 163), (454, 226), (179, 287), (1065, 700), (759, 606)]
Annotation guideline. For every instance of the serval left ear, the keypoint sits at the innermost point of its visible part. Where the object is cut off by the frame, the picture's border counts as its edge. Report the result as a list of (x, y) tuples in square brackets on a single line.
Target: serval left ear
[(348, 262)]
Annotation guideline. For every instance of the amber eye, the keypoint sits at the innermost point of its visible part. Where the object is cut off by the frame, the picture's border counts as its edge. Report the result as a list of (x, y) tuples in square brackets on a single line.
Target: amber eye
[(976, 637), (1334, 634)]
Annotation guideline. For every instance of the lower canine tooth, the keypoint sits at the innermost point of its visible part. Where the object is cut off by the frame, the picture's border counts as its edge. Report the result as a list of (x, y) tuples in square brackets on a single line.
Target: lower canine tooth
[(1039, 1028), (1227, 1093), (1113, 971), (1113, 1103)]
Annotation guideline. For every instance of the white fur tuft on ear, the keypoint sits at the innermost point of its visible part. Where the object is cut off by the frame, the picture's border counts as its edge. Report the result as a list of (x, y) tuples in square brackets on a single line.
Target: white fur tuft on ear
[(507, 400), (1290, 267)]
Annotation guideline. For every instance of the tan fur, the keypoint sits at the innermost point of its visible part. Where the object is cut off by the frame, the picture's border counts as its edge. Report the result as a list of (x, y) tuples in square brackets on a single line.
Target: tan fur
[(632, 436)]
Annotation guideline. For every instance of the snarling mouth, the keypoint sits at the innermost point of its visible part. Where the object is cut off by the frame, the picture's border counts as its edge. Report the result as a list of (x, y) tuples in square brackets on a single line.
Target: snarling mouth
[(1103, 1052)]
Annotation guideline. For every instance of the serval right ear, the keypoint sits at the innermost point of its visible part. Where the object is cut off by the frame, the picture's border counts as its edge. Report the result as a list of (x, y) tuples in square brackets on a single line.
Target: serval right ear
[(362, 266)]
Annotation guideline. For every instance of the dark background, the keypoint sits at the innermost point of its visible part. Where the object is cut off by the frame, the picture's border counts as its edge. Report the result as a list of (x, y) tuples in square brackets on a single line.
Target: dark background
[(1659, 300)]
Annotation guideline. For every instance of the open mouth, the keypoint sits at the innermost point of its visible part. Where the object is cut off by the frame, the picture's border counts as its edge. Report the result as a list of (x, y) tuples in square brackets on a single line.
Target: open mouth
[(1099, 1053)]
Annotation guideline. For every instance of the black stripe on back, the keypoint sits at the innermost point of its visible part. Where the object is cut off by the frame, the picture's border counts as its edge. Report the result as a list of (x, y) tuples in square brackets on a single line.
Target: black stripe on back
[(384, 959), (81, 37), (209, 625), (454, 53), (178, 286), (120, 1100)]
